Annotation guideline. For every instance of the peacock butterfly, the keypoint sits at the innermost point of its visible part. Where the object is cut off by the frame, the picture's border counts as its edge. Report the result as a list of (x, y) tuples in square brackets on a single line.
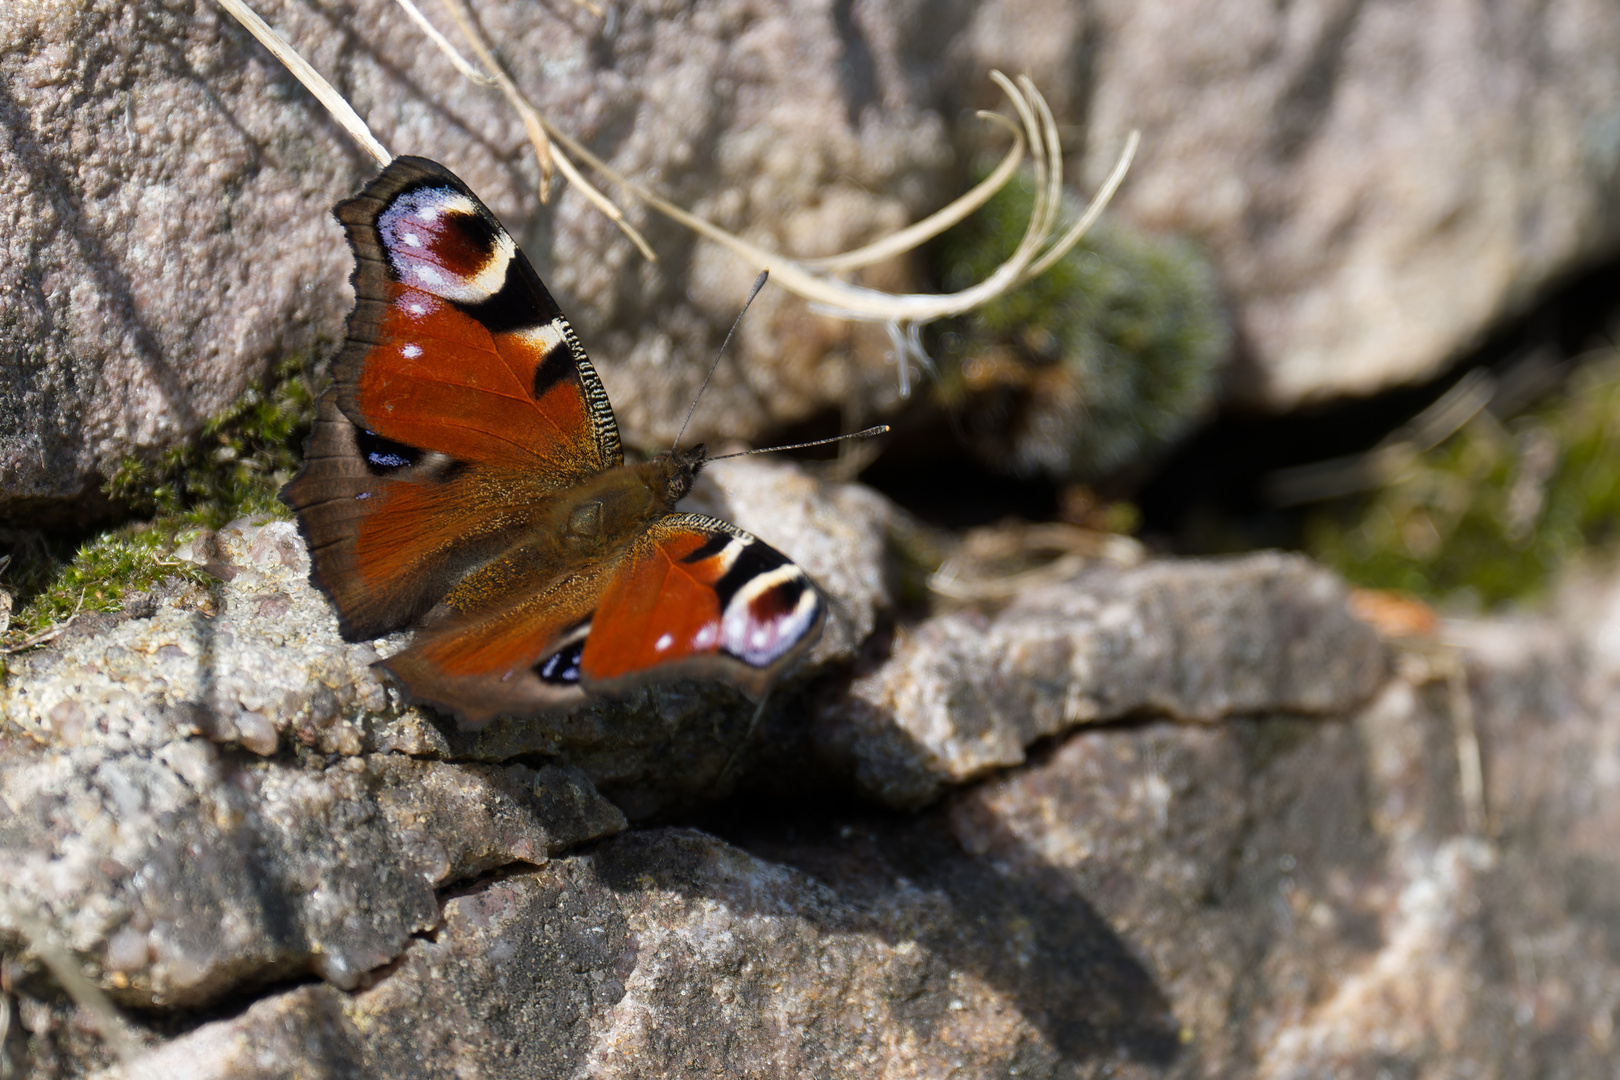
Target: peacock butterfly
[(464, 476)]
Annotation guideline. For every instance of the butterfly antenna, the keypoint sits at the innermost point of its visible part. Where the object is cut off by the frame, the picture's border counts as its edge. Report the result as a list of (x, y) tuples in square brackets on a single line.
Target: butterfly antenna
[(880, 429), (759, 283)]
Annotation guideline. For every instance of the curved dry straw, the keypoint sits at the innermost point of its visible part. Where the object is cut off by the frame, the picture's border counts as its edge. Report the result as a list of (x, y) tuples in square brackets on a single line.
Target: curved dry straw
[(1035, 132)]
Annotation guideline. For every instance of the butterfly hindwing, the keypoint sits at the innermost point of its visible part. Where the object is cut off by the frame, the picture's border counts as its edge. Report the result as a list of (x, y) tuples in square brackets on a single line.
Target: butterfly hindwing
[(693, 596), (698, 596), (390, 529), (520, 658)]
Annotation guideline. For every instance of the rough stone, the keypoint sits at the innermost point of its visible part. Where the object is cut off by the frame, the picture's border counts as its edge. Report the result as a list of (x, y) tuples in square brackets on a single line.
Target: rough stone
[(183, 873), (167, 190), (1378, 183), (1424, 886), (964, 693), (1272, 896), (254, 660)]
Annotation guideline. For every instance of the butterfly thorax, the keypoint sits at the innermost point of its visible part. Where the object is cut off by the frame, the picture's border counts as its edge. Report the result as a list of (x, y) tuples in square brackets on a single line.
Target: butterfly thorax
[(583, 526), (618, 505)]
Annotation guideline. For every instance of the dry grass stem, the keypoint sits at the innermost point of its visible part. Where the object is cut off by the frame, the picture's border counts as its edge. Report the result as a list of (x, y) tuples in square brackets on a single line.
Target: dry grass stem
[(1037, 249), (541, 134), (68, 974), (468, 70), (324, 92), (496, 75), (921, 232)]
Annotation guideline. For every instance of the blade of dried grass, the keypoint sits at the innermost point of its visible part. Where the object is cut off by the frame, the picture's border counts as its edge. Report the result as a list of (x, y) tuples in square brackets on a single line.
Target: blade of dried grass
[(542, 134), (856, 302), (1093, 211), (803, 278), (461, 63), (931, 226), (335, 103)]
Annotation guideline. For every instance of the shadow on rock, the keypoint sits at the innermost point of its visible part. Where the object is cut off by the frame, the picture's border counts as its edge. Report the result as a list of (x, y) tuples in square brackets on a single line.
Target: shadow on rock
[(1022, 927)]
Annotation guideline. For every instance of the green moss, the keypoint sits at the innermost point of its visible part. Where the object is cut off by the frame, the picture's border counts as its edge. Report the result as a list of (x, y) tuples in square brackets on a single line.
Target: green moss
[(1488, 516), (1094, 366), (239, 463), (235, 468), (101, 573)]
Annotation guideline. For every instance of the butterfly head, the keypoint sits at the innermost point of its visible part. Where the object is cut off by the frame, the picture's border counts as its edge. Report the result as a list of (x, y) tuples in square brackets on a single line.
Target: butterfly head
[(672, 472)]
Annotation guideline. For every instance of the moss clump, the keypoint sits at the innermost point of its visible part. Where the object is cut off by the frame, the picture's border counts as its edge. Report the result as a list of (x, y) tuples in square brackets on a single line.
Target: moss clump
[(1488, 516), (1091, 368), (236, 467)]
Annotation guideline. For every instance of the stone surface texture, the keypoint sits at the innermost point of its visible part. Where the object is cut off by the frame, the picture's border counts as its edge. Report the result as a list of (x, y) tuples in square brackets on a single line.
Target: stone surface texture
[(1265, 844), (254, 659), (1378, 184), (966, 693), (167, 190)]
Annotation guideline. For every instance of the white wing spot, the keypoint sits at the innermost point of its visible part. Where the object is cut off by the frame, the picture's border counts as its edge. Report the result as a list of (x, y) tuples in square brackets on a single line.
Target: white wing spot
[(416, 309), (544, 337), (411, 239), (664, 642), (428, 213), (411, 350)]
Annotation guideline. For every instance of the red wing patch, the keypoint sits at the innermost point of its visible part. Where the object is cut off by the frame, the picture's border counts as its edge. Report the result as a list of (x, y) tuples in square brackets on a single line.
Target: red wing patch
[(514, 660), (455, 346), (704, 594)]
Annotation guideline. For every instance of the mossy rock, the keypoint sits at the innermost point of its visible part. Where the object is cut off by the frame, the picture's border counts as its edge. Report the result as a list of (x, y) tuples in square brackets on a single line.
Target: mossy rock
[(235, 468), (1092, 368), (1489, 516)]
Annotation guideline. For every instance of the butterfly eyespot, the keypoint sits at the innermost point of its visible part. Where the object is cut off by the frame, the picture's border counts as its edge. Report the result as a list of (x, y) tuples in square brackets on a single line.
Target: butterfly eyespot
[(384, 456), (562, 666), (438, 240)]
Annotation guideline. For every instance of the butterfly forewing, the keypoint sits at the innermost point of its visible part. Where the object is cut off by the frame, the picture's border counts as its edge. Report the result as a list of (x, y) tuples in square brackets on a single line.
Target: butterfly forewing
[(462, 402), (455, 345)]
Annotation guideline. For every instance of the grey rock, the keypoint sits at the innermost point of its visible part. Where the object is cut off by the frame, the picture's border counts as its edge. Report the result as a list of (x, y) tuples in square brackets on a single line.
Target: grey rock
[(254, 659), (1379, 184), (303, 1033), (167, 189), (1271, 895), (965, 693), (1268, 896), (181, 873)]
